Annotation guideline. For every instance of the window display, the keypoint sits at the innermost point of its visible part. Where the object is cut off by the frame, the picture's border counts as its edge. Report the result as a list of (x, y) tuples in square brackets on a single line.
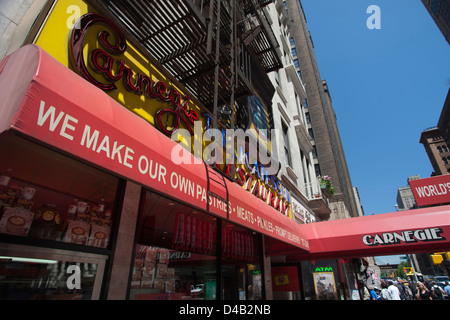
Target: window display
[(175, 257), (46, 195)]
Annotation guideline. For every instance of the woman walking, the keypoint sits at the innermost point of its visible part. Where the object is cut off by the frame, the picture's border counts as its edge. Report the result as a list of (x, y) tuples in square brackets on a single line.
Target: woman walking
[(422, 292)]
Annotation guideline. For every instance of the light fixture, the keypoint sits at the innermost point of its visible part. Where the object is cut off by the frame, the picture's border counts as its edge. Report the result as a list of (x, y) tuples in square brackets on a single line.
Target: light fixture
[(28, 260)]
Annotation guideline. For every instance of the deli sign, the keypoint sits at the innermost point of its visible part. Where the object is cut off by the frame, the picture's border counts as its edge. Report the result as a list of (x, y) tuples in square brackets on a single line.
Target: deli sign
[(431, 191), (406, 236)]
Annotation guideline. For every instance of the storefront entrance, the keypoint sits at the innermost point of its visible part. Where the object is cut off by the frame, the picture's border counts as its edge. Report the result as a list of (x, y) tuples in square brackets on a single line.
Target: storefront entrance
[(242, 282)]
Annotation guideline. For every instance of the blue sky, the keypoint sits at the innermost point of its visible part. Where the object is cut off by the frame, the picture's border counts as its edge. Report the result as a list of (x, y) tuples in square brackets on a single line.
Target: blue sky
[(386, 85)]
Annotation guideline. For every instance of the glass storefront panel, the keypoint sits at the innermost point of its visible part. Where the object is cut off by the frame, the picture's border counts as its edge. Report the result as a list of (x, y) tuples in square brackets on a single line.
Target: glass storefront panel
[(29, 273), (241, 267), (350, 280), (46, 195), (175, 256)]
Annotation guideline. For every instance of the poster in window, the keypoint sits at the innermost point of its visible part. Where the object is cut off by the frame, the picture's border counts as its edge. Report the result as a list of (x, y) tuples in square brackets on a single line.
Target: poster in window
[(99, 236), (77, 232), (325, 286), (285, 279), (16, 221)]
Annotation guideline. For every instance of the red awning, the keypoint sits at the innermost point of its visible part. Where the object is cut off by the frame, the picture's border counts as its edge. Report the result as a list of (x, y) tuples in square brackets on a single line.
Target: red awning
[(43, 99), (413, 231)]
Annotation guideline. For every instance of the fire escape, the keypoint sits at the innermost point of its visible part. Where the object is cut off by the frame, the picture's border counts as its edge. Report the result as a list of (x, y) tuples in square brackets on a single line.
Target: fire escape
[(221, 50)]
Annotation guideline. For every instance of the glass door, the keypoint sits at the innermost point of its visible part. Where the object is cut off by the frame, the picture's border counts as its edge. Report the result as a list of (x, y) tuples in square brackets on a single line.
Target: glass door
[(31, 273)]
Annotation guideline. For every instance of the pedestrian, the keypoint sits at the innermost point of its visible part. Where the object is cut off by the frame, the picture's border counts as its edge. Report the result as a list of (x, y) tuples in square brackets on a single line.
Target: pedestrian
[(422, 292), (366, 293), (413, 287), (373, 294), (393, 290), (409, 291), (437, 291), (385, 294), (402, 290), (447, 288), (378, 292)]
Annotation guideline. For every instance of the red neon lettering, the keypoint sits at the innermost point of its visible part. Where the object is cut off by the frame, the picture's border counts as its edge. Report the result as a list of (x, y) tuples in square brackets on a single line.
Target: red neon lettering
[(103, 63), (77, 45)]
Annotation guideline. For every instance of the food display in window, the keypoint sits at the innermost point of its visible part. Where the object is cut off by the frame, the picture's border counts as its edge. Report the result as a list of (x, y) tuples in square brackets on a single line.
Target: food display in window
[(77, 232), (88, 224), (24, 212), (16, 221), (8, 196), (46, 222), (151, 270), (60, 197), (99, 236)]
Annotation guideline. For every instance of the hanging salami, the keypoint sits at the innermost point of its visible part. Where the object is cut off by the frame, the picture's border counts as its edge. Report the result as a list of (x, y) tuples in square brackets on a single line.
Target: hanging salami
[(178, 232), (224, 242), (205, 237), (188, 233), (199, 235), (210, 237), (193, 234)]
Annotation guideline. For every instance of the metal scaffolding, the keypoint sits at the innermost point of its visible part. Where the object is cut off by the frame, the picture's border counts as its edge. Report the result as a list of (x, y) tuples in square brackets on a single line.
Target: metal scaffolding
[(215, 48)]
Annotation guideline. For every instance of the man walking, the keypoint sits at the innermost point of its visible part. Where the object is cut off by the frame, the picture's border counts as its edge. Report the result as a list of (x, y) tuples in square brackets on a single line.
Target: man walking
[(402, 290), (447, 289), (395, 294)]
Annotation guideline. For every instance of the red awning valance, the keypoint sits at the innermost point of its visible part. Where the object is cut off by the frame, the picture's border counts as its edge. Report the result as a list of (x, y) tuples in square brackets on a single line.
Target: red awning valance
[(413, 231)]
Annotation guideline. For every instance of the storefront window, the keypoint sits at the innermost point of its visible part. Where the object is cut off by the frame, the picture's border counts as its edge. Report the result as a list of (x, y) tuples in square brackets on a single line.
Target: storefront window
[(241, 269), (46, 195), (46, 274), (175, 256)]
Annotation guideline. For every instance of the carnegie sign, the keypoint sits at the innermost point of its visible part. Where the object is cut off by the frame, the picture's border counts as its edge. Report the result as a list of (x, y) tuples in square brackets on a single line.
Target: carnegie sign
[(406, 236), (431, 191)]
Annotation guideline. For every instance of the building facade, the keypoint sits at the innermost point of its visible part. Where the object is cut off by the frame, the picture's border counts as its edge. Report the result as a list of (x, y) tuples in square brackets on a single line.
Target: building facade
[(405, 197), (295, 149), (300, 98), (444, 120), (437, 150), (328, 154), (359, 206), (440, 12)]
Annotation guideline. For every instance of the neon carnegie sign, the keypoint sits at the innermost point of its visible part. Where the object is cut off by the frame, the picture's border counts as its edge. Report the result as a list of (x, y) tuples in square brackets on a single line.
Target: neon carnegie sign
[(407, 236), (103, 63)]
